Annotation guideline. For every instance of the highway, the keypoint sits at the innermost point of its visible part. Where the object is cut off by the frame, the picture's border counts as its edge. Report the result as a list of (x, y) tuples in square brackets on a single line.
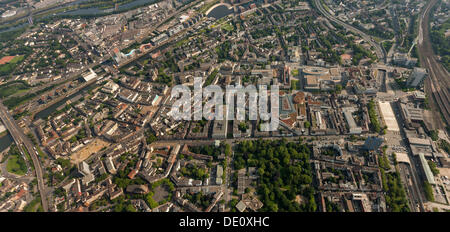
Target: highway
[(438, 83), (21, 139), (378, 49)]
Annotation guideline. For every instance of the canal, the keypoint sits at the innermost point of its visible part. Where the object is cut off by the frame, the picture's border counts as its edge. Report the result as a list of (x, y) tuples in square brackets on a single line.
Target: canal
[(49, 110)]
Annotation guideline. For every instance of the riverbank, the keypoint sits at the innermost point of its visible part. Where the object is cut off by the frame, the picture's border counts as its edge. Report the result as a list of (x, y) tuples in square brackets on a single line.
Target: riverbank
[(5, 141), (3, 133), (75, 10)]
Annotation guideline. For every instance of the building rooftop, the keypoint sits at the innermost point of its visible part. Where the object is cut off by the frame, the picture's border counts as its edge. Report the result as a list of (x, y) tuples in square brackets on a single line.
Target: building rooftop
[(388, 116), (426, 168), (241, 206)]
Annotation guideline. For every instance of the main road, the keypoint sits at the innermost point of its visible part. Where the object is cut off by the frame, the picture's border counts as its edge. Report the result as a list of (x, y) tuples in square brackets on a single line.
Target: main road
[(196, 142), (21, 139), (378, 49)]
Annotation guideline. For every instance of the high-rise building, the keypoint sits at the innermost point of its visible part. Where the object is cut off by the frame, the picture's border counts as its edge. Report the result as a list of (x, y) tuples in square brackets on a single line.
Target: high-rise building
[(416, 77), (84, 168)]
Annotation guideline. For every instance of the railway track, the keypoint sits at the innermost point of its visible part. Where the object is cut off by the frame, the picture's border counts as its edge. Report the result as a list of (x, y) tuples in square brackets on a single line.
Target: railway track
[(438, 83), (438, 96)]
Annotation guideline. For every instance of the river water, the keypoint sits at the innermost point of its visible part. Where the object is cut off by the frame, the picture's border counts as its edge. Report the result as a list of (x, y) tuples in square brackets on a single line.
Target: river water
[(88, 11), (96, 10), (5, 142), (220, 12)]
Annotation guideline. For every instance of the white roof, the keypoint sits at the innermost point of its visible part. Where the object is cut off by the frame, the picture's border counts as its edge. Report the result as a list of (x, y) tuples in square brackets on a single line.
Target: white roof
[(402, 158), (388, 116)]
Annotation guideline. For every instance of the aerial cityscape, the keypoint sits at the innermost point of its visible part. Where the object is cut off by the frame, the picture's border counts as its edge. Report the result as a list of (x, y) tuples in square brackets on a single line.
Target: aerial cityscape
[(128, 106)]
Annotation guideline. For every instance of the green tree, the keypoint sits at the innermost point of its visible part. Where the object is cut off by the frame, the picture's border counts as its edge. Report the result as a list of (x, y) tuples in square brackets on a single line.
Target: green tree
[(307, 124)]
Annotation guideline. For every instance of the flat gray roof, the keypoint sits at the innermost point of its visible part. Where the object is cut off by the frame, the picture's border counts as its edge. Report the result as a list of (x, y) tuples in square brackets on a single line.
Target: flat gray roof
[(426, 169)]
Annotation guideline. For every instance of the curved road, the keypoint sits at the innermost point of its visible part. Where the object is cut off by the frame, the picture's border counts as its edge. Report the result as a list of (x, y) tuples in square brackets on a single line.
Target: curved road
[(378, 49), (21, 139)]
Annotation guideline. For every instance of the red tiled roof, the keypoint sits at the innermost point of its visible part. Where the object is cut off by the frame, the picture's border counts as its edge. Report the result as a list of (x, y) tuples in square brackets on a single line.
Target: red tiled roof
[(20, 193), (132, 174), (346, 56)]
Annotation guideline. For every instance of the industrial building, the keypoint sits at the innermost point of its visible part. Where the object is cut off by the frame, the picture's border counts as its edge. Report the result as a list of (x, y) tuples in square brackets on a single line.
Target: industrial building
[(411, 115), (89, 75), (317, 78)]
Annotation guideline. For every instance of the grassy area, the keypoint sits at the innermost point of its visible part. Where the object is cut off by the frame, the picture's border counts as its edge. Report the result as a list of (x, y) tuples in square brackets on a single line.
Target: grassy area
[(441, 43), (16, 59), (167, 185), (375, 125), (12, 88), (21, 114), (12, 102), (3, 133), (428, 191), (295, 84), (377, 39), (325, 6), (27, 154), (34, 206), (181, 42), (16, 164), (102, 4), (395, 192), (227, 27), (7, 68), (11, 35), (42, 154), (445, 146), (211, 77), (387, 45)]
